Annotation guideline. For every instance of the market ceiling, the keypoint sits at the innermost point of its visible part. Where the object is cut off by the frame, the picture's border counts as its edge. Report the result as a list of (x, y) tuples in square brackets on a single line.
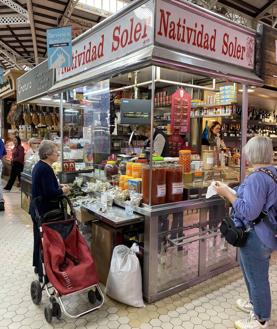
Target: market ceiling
[(23, 23)]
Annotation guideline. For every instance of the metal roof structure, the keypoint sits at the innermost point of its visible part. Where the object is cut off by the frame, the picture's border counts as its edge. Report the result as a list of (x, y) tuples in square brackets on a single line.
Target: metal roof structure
[(245, 12), (23, 23), (23, 26)]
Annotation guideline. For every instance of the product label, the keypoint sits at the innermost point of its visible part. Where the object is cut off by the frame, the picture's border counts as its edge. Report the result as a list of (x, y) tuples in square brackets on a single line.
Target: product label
[(161, 191), (210, 161), (177, 188)]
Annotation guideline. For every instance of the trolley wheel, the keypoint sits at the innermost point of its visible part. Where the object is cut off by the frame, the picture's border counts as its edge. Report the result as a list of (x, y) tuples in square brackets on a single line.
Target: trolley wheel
[(56, 310), (36, 292), (92, 297), (48, 313), (98, 295)]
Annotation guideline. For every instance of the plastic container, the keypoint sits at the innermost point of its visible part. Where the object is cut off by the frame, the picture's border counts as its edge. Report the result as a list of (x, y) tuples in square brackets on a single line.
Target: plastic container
[(185, 160), (208, 159), (110, 169), (122, 168), (158, 188), (137, 170), (123, 181), (129, 168), (174, 184)]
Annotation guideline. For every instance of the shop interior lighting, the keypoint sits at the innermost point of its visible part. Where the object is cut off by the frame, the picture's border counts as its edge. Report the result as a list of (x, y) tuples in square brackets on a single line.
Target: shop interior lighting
[(46, 98), (58, 100), (71, 111), (97, 92), (248, 90)]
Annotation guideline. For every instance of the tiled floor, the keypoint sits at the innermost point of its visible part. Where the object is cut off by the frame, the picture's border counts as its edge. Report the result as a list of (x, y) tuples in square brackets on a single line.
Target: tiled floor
[(209, 305)]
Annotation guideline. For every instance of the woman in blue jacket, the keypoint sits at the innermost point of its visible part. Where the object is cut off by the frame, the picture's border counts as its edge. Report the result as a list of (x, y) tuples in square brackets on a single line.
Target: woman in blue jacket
[(257, 193)]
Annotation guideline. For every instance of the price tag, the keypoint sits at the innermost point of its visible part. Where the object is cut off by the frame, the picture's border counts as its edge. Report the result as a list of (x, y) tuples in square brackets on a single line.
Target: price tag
[(161, 191), (177, 188)]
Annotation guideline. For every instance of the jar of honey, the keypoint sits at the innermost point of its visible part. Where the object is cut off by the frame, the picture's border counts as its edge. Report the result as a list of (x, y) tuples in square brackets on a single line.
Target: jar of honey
[(174, 183), (185, 159), (158, 187)]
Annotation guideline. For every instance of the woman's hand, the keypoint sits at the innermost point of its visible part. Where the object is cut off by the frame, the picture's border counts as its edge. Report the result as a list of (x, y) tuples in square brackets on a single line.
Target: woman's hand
[(223, 191), (65, 189)]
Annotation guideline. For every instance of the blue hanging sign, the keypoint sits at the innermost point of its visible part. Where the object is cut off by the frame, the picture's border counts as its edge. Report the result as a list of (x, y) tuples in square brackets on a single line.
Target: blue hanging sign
[(59, 47), (2, 71)]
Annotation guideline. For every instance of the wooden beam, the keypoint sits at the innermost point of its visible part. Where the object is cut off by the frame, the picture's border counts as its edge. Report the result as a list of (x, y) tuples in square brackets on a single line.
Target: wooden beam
[(266, 8), (33, 30), (49, 8), (237, 7), (17, 39), (68, 12)]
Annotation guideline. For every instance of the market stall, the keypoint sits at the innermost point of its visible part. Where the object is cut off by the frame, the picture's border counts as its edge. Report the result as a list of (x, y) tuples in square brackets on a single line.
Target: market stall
[(147, 81)]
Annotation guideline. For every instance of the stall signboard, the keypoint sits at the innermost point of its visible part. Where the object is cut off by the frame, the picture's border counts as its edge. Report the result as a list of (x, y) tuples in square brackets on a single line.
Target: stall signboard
[(120, 37), (8, 86), (191, 30), (35, 83), (59, 47)]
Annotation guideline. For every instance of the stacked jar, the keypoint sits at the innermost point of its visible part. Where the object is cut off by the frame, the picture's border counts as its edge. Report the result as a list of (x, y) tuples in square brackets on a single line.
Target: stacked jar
[(158, 188), (185, 160), (174, 183), (110, 169)]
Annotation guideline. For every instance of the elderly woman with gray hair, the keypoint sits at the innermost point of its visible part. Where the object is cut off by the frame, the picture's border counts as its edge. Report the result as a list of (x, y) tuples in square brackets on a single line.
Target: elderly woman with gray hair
[(257, 193), (46, 186), (33, 148)]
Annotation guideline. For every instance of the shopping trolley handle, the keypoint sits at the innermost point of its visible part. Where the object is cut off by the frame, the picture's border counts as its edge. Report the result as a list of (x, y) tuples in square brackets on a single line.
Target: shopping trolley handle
[(59, 199)]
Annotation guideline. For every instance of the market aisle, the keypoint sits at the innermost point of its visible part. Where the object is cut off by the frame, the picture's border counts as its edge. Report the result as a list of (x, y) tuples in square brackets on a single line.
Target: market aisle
[(209, 305)]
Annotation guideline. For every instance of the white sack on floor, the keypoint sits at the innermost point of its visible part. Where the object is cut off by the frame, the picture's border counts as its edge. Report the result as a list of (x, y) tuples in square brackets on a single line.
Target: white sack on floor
[(124, 282)]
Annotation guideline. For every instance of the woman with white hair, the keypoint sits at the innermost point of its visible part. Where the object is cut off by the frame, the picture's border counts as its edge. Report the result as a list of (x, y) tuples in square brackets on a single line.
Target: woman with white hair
[(33, 148), (257, 193), (44, 185)]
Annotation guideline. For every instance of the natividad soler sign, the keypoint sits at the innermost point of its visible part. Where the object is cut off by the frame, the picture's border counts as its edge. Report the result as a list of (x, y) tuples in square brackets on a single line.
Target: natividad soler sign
[(178, 26)]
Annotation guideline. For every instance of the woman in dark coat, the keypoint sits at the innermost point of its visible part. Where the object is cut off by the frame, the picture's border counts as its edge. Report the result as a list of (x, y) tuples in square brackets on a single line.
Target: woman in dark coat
[(44, 185)]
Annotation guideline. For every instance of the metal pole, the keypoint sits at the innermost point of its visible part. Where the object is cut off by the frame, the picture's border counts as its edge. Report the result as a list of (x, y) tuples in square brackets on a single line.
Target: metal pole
[(244, 117), (152, 129), (136, 82), (61, 128)]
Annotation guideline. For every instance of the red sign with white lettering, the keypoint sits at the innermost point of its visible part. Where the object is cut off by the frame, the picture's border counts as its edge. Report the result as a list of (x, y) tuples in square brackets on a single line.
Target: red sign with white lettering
[(195, 31), (121, 37)]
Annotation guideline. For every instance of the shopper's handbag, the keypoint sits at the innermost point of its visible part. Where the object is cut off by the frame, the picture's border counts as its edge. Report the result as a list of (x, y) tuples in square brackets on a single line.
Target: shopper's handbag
[(236, 236)]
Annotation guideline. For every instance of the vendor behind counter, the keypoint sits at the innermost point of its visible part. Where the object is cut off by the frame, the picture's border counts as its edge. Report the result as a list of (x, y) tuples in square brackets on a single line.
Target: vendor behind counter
[(160, 140), (211, 136)]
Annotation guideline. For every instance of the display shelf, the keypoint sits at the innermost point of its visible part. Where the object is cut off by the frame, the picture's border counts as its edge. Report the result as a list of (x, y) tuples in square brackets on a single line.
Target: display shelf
[(210, 116), (160, 108), (261, 123), (212, 105)]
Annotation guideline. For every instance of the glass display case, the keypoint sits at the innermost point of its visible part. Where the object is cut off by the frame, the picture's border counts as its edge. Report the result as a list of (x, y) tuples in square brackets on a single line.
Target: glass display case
[(85, 133)]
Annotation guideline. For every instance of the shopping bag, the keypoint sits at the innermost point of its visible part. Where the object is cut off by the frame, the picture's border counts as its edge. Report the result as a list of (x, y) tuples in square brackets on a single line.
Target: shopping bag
[(124, 282), (68, 262)]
